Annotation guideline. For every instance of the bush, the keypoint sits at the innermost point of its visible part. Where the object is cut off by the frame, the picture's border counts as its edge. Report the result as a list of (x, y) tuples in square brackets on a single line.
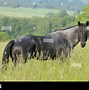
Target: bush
[(4, 36)]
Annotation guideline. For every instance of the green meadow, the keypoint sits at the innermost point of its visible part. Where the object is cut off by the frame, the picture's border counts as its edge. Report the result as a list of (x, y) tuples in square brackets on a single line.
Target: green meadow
[(74, 68), (28, 12), (25, 12)]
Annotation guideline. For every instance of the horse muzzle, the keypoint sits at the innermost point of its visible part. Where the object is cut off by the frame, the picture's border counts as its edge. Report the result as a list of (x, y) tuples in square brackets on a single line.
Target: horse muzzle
[(83, 45)]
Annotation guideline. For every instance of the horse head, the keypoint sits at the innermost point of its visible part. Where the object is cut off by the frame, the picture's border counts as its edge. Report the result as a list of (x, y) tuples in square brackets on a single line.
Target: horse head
[(83, 33)]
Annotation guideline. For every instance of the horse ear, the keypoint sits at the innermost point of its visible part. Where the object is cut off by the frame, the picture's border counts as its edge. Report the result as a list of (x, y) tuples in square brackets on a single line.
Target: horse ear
[(87, 23), (79, 23)]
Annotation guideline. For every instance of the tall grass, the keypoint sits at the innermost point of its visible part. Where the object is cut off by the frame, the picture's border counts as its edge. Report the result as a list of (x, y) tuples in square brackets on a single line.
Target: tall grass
[(74, 68)]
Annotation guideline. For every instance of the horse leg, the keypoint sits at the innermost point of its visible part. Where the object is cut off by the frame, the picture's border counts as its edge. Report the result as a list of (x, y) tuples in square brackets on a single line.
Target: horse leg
[(31, 55), (34, 52), (15, 60), (5, 63), (52, 54), (45, 55), (25, 55), (60, 53), (39, 54), (66, 52), (34, 55)]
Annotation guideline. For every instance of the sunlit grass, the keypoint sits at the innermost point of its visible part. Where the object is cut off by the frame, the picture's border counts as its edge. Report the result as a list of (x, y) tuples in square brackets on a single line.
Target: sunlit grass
[(74, 68)]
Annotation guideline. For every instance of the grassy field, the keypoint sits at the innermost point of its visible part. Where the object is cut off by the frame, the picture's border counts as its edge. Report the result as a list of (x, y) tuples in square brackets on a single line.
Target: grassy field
[(27, 12), (75, 68)]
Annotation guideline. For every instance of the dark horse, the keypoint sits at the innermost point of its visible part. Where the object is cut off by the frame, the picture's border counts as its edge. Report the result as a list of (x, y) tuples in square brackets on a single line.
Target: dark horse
[(15, 48), (68, 38), (60, 43), (23, 45), (56, 44)]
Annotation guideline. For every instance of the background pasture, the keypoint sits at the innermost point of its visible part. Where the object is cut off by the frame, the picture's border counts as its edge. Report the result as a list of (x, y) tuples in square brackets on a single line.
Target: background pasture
[(25, 12), (28, 12), (74, 68)]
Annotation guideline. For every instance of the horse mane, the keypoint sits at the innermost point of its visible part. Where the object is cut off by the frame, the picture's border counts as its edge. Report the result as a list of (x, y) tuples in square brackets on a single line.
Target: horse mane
[(65, 28), (68, 27)]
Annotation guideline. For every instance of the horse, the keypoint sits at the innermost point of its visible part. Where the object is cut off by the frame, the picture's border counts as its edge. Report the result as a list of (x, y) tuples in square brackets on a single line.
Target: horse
[(24, 44), (63, 42), (17, 48), (72, 36)]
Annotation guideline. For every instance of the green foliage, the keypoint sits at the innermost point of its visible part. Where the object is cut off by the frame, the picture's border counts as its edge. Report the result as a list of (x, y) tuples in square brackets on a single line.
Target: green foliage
[(36, 25), (84, 16), (62, 20), (4, 36), (63, 12)]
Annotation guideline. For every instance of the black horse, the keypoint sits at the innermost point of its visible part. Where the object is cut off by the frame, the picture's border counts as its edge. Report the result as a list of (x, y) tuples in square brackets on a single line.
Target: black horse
[(56, 44), (60, 43)]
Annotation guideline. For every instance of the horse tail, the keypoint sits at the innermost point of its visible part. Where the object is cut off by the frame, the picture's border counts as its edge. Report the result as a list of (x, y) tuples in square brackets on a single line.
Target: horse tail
[(6, 53)]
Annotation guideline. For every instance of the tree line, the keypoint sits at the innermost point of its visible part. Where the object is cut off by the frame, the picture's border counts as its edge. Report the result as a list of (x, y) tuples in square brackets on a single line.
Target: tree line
[(75, 5), (39, 25)]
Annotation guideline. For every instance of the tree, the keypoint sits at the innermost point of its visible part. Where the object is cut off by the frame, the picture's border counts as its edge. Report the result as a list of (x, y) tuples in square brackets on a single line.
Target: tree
[(84, 16)]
